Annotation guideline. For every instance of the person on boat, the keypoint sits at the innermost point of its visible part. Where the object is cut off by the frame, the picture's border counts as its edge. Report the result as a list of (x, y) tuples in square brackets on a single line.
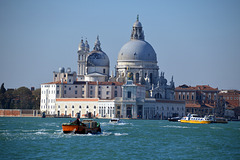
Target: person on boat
[(77, 121)]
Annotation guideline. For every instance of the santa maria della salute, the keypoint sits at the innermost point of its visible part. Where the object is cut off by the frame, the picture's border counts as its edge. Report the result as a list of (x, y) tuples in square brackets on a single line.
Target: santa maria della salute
[(135, 91)]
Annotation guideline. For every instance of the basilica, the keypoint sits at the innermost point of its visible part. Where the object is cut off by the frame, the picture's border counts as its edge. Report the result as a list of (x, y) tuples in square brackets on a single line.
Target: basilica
[(136, 90)]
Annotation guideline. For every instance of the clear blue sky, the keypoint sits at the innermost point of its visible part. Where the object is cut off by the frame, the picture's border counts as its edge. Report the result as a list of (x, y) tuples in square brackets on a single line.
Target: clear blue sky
[(196, 41)]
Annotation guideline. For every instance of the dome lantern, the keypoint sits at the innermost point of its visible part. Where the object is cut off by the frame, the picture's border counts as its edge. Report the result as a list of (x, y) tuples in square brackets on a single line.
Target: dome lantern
[(97, 45), (81, 45), (86, 46), (137, 32)]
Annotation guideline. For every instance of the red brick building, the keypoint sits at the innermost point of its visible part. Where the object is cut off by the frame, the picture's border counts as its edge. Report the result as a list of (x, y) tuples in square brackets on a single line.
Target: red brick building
[(232, 97), (200, 99)]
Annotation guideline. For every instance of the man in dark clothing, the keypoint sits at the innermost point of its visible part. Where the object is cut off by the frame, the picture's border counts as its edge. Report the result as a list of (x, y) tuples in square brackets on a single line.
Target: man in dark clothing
[(77, 121)]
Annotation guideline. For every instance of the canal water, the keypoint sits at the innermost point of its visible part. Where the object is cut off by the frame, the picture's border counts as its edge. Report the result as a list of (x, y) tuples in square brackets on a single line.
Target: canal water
[(42, 138)]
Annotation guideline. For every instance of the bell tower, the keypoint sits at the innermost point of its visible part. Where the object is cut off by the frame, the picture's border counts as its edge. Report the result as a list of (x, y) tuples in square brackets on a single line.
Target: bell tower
[(83, 50)]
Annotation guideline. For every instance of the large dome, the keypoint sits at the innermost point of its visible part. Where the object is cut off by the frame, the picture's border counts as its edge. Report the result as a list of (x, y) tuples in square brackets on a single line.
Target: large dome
[(97, 58), (138, 50)]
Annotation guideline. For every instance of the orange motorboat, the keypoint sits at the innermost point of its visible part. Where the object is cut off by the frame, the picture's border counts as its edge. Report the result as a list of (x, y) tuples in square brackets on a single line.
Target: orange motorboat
[(84, 127)]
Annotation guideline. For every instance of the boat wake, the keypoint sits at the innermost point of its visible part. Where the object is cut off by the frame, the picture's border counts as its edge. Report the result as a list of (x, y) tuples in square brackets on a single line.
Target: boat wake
[(216, 128), (119, 124), (169, 126), (120, 134), (115, 124)]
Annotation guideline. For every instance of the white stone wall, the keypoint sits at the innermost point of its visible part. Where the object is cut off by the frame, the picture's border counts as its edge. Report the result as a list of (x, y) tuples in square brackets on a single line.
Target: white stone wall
[(107, 109), (100, 78), (98, 69), (141, 67), (66, 106), (48, 98), (163, 110)]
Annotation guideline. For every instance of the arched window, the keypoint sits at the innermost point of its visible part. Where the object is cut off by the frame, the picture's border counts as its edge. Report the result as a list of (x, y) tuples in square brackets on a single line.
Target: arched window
[(151, 78), (137, 77)]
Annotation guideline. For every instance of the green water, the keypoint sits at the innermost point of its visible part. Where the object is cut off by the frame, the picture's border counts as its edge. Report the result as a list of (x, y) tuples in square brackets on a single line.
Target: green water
[(42, 138)]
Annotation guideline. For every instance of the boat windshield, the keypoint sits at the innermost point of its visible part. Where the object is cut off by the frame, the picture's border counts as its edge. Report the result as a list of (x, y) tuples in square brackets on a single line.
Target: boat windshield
[(194, 115)]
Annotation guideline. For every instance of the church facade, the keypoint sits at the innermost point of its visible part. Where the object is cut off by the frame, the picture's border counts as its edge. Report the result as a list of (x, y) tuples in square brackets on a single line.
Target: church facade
[(135, 91)]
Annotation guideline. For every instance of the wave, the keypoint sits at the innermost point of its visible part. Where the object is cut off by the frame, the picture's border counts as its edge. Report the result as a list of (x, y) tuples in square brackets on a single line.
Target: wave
[(168, 126), (120, 134), (40, 133), (216, 128)]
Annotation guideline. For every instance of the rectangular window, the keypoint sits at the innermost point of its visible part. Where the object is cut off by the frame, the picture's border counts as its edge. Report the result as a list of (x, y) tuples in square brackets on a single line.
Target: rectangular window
[(99, 92), (91, 92), (82, 92), (115, 94), (69, 88), (57, 92), (65, 92), (107, 92), (75, 92), (129, 94)]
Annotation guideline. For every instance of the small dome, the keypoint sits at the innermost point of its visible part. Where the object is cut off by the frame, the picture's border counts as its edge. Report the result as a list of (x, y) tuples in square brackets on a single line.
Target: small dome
[(137, 24), (137, 50), (87, 46), (68, 70), (81, 46), (61, 70), (97, 58)]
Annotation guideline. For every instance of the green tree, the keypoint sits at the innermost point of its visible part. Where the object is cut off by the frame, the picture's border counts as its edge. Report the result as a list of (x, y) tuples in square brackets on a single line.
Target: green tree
[(2, 96), (9, 98), (23, 98), (36, 98), (3, 90)]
